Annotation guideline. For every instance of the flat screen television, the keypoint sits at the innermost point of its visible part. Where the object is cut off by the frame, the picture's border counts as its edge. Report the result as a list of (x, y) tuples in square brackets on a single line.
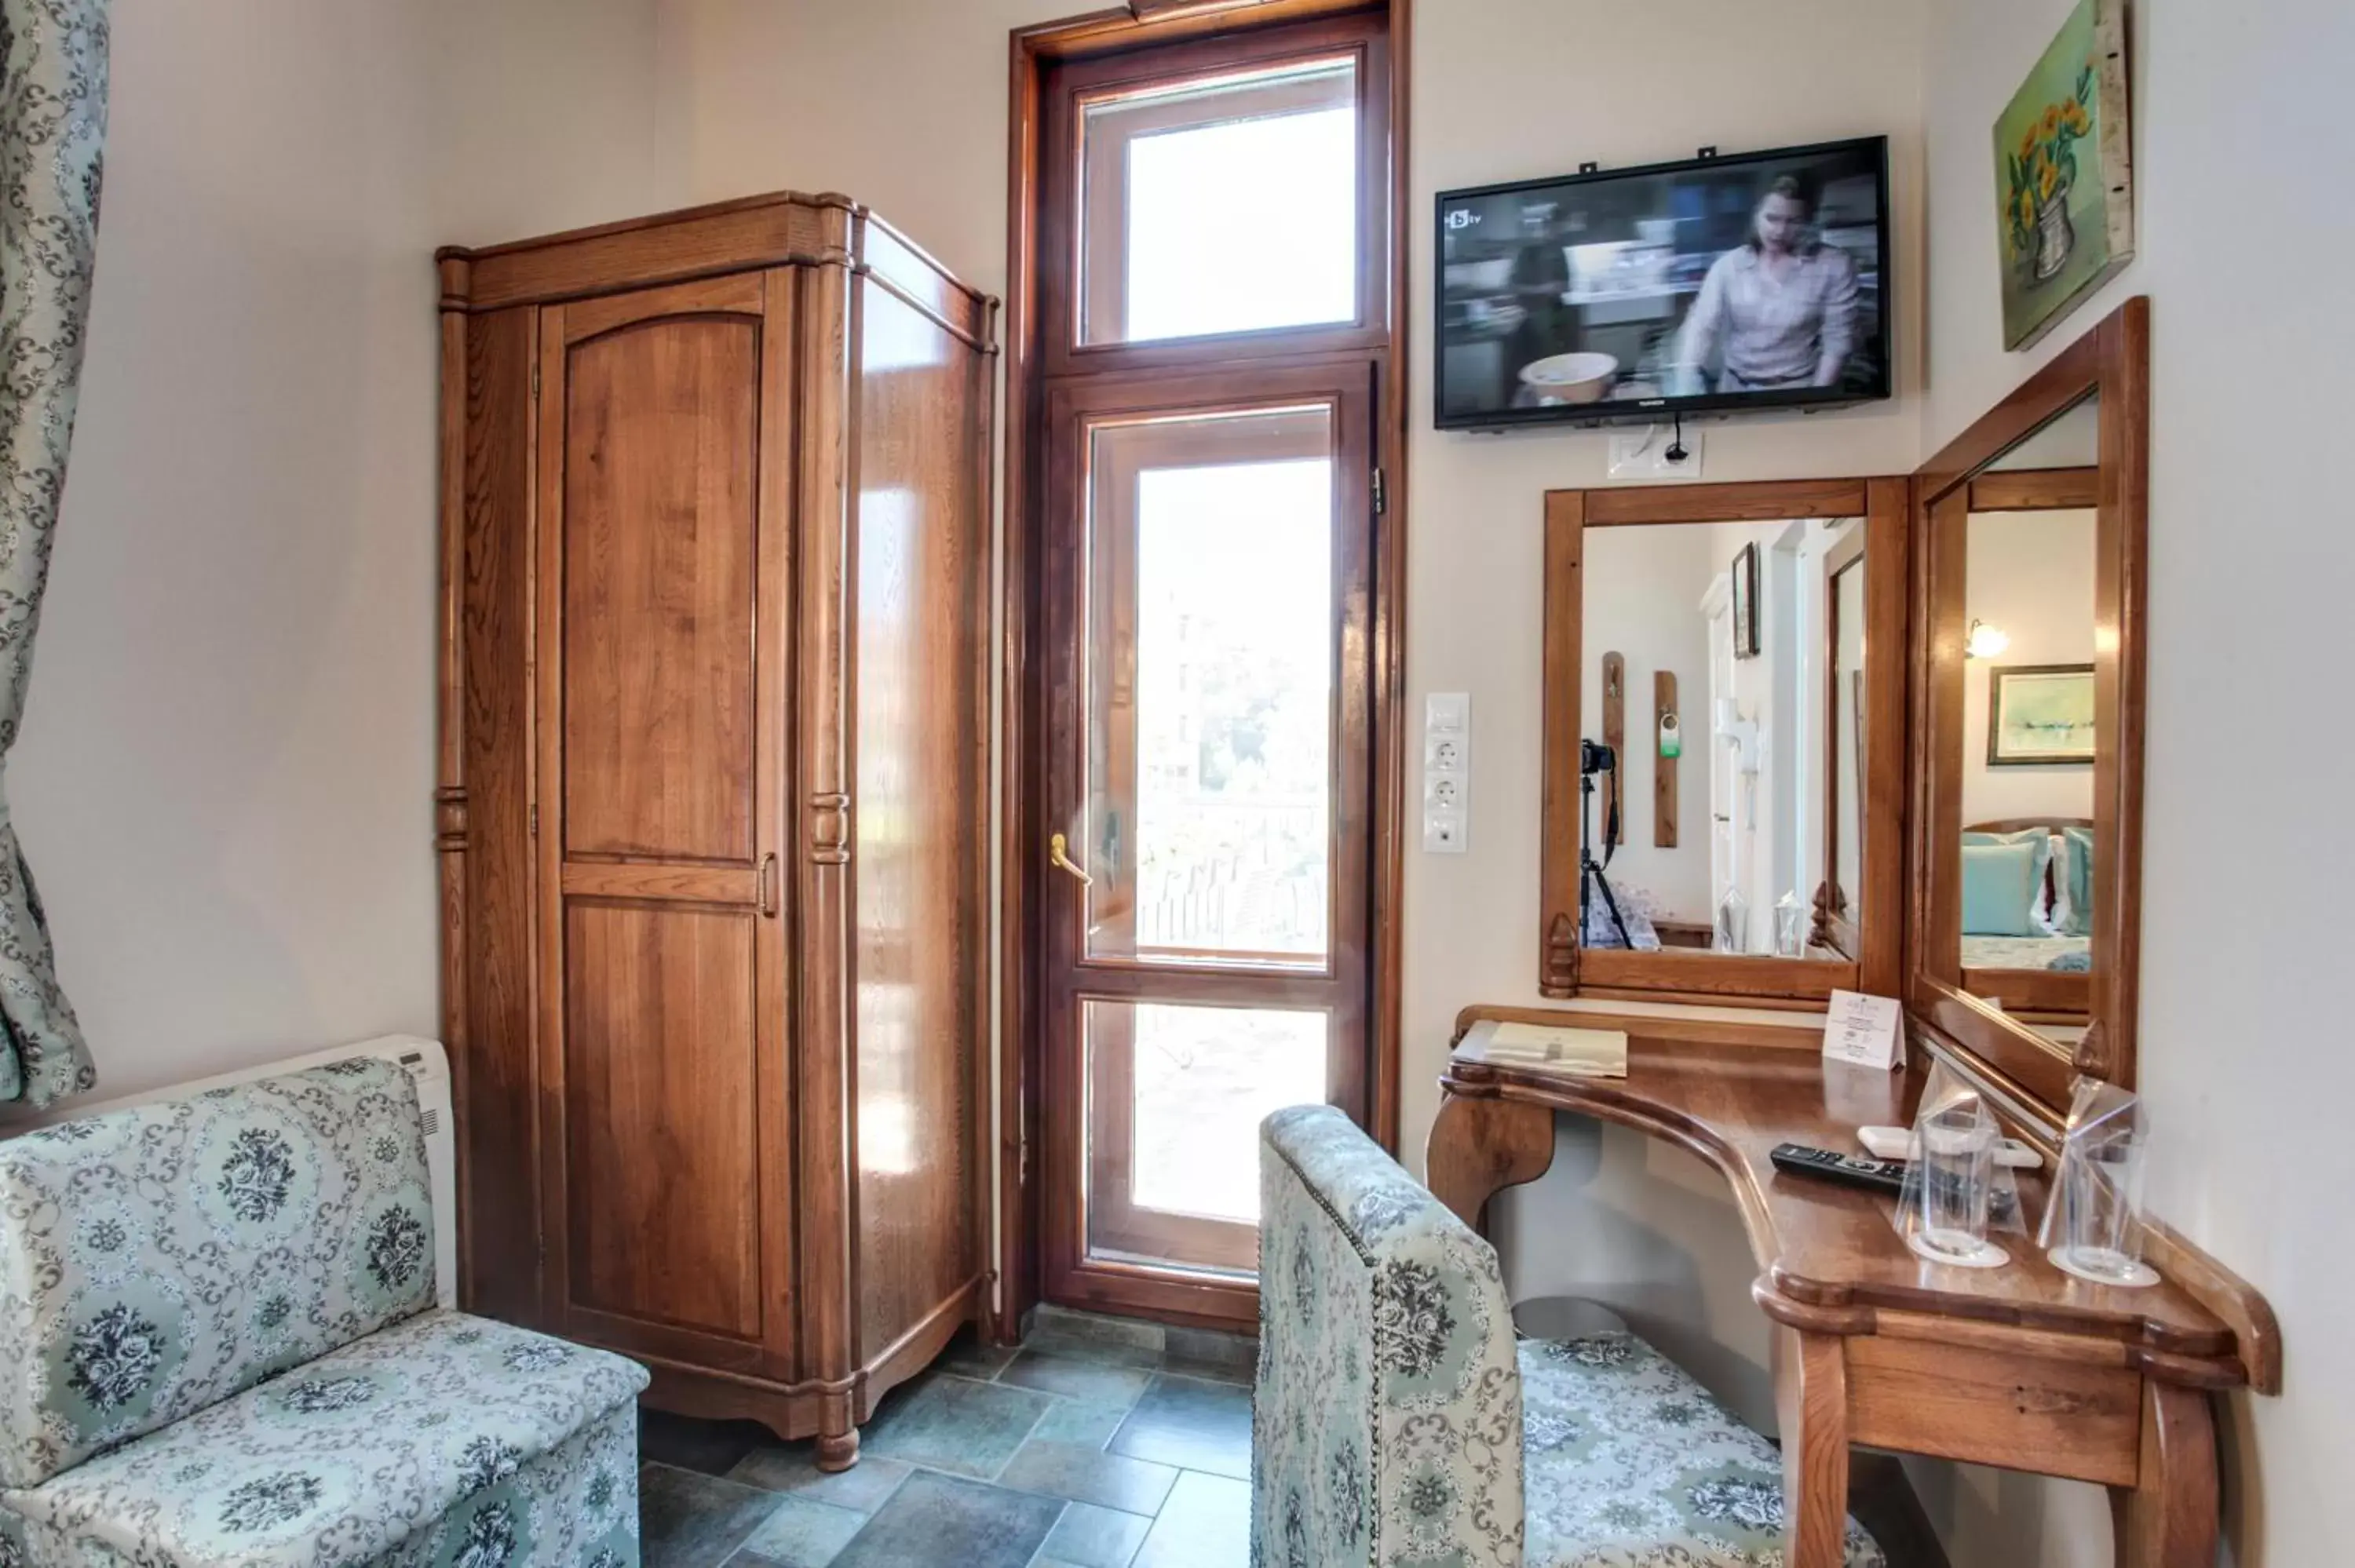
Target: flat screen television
[(1756, 280)]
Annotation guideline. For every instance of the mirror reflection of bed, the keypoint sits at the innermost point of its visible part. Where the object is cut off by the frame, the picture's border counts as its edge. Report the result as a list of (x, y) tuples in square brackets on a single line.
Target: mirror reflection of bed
[(1759, 852), (2027, 797)]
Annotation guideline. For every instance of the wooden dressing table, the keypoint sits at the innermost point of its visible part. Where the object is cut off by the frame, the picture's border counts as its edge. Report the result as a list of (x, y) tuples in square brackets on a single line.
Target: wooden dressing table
[(2021, 1367)]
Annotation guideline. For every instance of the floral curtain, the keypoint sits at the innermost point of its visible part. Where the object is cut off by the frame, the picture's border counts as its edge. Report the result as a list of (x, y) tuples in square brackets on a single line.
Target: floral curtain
[(52, 129)]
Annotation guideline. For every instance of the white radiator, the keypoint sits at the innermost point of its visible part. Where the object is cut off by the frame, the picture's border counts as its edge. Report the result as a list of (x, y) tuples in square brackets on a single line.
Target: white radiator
[(429, 1071)]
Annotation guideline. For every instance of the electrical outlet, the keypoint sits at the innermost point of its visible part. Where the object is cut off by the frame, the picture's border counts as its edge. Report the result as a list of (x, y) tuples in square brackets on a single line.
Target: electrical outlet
[(1645, 454), (1446, 772)]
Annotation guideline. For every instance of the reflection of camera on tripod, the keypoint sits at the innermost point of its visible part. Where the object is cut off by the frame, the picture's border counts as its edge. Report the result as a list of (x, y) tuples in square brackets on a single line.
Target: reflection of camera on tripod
[(1594, 759)]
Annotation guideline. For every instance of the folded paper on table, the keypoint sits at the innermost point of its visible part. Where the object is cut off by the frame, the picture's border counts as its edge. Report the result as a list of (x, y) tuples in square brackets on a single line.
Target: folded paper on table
[(1578, 1053)]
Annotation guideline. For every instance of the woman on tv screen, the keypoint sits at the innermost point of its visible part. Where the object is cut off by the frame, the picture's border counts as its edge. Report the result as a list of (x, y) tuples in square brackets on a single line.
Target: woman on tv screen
[(1779, 311)]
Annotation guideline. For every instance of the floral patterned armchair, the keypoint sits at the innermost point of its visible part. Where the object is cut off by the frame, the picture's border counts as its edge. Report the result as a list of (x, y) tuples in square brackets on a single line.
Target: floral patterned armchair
[(224, 1349), (1397, 1424)]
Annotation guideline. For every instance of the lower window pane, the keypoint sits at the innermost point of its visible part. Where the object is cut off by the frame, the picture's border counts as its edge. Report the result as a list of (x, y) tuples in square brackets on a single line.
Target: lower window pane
[(1176, 1095)]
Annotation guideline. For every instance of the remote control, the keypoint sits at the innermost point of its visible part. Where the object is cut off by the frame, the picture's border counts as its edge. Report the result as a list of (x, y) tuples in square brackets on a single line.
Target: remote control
[(1878, 1175), (1874, 1175)]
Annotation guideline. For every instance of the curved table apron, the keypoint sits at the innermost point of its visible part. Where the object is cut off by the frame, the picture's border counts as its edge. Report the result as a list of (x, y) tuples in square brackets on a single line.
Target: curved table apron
[(2021, 1367)]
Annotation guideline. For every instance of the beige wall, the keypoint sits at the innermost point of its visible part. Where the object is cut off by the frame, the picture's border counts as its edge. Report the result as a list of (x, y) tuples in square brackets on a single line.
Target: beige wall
[(549, 114), (2242, 145), (225, 778)]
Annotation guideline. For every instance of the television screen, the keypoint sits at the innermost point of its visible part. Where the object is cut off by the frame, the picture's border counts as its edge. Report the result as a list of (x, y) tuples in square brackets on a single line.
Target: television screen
[(1757, 281)]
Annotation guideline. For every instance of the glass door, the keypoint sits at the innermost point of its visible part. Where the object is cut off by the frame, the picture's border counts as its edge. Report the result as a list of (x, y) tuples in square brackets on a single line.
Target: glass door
[(1207, 793)]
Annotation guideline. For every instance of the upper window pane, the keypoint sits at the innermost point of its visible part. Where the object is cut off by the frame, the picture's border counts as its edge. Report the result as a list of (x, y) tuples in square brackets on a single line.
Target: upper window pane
[(1221, 206)]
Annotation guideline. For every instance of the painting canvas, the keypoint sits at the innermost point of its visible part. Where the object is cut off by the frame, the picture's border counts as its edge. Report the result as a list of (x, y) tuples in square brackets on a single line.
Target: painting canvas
[(2040, 716), (2065, 183)]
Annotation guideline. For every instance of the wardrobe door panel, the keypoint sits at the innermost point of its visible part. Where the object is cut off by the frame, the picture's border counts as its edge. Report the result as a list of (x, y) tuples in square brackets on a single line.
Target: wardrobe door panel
[(661, 1083), (659, 529), (922, 536), (662, 549)]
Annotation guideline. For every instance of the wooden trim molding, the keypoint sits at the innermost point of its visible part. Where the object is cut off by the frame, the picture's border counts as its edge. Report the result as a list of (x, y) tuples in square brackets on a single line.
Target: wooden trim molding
[(1151, 11), (1876, 965), (2036, 489), (1125, 27), (2111, 361)]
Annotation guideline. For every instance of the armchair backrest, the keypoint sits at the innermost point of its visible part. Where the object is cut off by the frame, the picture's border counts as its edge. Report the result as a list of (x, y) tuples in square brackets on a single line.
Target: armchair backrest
[(157, 1260), (1386, 1426)]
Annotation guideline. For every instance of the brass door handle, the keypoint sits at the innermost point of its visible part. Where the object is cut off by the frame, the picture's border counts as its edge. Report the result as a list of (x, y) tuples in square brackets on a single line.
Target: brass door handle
[(1055, 856)]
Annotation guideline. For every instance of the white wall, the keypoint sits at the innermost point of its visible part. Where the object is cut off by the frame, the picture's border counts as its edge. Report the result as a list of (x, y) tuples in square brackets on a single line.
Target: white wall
[(2243, 148), (2031, 578)]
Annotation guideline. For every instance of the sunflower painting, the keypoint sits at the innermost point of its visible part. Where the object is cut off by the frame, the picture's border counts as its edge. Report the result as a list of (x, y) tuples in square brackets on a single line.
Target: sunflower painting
[(2064, 187)]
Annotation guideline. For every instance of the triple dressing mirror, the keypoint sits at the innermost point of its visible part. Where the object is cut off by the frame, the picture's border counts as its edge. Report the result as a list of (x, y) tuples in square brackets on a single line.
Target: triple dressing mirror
[(2028, 791), (1724, 711)]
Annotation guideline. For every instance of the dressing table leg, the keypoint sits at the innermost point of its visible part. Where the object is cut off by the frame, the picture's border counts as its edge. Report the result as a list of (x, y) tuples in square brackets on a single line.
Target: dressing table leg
[(1479, 1147), (1811, 1398), (2170, 1519)]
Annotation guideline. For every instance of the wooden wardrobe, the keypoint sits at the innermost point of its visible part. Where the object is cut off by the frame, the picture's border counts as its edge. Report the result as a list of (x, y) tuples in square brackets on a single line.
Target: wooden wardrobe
[(713, 803)]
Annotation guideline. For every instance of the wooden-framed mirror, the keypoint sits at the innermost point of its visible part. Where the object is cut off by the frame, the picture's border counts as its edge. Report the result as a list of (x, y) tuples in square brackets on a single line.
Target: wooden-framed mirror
[(1737, 651), (2026, 750)]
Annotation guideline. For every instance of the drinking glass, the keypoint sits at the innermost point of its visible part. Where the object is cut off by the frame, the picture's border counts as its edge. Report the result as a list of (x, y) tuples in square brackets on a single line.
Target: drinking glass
[(1791, 918), (1957, 1157), (1733, 922), (2093, 1228)]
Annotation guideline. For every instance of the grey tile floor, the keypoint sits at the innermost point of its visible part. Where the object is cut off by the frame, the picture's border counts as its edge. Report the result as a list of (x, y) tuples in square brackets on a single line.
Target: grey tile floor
[(1102, 1443)]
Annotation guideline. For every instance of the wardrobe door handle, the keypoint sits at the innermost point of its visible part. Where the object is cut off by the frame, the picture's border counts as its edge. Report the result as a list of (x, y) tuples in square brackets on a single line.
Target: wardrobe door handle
[(768, 886)]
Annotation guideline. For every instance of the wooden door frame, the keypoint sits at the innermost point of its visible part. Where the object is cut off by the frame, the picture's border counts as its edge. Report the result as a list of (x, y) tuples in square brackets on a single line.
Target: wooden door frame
[(1035, 51), (1067, 973)]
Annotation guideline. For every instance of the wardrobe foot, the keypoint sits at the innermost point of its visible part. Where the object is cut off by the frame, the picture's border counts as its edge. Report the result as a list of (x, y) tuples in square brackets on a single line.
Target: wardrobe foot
[(835, 1455)]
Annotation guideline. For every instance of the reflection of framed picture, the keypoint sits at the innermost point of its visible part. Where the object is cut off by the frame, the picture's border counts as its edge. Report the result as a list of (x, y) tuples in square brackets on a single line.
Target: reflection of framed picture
[(2040, 716), (1745, 603)]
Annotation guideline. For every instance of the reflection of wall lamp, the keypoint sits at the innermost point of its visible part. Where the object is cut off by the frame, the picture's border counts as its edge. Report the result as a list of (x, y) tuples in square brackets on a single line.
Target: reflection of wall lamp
[(1739, 732), (1742, 735), (1985, 641)]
